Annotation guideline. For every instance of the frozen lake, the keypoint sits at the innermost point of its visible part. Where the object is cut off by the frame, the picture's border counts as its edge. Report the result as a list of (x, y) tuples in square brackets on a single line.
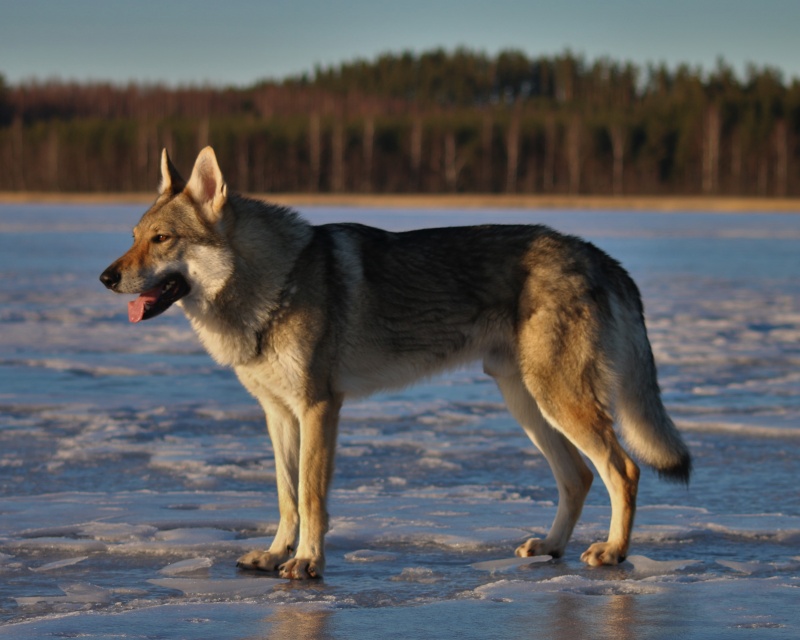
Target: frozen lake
[(134, 471)]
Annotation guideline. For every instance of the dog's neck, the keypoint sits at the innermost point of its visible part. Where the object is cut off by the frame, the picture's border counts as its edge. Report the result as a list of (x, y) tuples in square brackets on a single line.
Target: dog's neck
[(235, 324), (284, 302), (232, 338)]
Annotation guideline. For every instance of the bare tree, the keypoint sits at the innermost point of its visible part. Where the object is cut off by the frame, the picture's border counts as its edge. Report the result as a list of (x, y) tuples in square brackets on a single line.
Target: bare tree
[(450, 161), (574, 154), (52, 160), (337, 156), (711, 150), (368, 148), (736, 162), (202, 132), (243, 181), (618, 139), (416, 152), (18, 154), (550, 141), (512, 152), (781, 158), (314, 151), (487, 134)]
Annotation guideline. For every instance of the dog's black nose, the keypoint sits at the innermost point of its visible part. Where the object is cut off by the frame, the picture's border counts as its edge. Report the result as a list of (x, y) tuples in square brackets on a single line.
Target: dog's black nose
[(110, 277)]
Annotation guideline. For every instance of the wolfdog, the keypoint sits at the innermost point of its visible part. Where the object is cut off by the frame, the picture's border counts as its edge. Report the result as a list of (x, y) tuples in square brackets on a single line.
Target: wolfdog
[(310, 315)]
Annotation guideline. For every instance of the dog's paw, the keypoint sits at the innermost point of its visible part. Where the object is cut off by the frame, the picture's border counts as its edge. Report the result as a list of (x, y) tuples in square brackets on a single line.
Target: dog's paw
[(261, 561), (302, 569), (602, 553), (536, 547)]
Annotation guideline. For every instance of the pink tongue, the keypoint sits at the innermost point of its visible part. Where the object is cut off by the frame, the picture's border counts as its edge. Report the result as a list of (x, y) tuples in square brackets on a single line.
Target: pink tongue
[(136, 308)]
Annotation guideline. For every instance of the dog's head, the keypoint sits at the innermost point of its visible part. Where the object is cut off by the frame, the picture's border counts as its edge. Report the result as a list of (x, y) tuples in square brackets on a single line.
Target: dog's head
[(179, 250)]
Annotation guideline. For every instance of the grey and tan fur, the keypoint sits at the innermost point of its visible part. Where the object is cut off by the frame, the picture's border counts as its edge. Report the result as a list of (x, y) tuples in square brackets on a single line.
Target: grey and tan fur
[(310, 315)]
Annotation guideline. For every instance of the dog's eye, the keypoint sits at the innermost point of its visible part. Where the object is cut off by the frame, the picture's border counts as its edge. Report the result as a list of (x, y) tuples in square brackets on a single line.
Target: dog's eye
[(158, 239)]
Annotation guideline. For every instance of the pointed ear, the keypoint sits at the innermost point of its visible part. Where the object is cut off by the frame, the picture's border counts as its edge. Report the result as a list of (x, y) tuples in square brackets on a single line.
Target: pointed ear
[(206, 186), (171, 180)]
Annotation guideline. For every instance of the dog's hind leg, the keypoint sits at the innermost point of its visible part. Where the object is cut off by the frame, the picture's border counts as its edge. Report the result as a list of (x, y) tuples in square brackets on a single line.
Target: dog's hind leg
[(284, 432), (566, 348), (573, 477), (578, 414), (593, 434)]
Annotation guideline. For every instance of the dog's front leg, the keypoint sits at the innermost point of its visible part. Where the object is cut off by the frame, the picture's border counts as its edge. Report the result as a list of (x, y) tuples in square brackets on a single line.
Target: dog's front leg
[(318, 427), (284, 432)]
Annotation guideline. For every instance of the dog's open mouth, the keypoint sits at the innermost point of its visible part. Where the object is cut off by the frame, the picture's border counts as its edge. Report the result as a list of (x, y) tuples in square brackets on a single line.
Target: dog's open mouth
[(158, 299)]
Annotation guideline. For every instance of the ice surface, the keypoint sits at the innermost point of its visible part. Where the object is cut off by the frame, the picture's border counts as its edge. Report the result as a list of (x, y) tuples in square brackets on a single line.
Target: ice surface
[(506, 564), (742, 567), (515, 590), (230, 588), (134, 471), (368, 555), (644, 566), (59, 564), (762, 568), (423, 575), (186, 566), (73, 594)]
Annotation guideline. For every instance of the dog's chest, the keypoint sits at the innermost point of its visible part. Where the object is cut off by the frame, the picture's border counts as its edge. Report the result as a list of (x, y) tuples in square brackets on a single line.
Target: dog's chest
[(275, 375), (226, 347)]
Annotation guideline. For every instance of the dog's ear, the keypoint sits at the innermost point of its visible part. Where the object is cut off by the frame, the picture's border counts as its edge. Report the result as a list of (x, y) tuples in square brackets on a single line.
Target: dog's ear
[(171, 180), (206, 186)]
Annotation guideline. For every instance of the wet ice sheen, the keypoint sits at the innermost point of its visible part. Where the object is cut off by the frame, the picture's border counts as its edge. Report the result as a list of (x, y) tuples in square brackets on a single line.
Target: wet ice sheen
[(134, 471)]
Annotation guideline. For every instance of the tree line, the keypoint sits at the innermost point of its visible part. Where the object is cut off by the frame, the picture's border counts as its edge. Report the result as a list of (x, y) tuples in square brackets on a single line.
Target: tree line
[(439, 121)]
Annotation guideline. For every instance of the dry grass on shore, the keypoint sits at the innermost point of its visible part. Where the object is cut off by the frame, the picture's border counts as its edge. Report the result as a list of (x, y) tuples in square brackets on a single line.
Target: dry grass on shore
[(452, 201)]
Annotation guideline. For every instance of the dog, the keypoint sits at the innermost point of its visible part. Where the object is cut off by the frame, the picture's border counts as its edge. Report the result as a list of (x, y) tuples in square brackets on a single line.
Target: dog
[(310, 315)]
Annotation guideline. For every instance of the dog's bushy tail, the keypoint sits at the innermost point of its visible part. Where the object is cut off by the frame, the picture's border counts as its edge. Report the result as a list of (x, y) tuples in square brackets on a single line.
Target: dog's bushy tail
[(648, 431)]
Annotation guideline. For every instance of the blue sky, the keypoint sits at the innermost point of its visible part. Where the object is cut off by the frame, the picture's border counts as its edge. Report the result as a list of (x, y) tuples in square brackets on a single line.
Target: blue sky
[(237, 42)]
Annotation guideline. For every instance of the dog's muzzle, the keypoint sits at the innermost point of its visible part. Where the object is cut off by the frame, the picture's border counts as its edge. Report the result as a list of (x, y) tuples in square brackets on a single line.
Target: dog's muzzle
[(110, 278), (152, 302)]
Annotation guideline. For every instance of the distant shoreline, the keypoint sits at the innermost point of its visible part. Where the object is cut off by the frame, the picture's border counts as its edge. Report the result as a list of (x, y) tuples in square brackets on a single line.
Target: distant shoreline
[(452, 201)]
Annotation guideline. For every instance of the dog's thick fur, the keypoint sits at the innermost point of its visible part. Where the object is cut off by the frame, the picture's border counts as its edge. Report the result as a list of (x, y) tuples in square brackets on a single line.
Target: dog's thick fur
[(309, 315)]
